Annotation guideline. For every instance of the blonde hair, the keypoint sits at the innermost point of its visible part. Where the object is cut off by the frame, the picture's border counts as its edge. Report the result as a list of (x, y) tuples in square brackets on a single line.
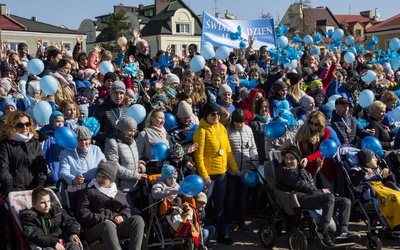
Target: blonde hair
[(296, 91), (9, 129), (63, 105), (376, 107), (147, 123), (224, 116), (305, 134), (389, 96)]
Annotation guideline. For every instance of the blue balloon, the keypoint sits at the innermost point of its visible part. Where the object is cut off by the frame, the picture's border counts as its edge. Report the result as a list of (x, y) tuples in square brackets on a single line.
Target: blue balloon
[(331, 104), (338, 34), (349, 57), (352, 50), (349, 40), (191, 186), (394, 44), (308, 39), (66, 137), (35, 66), (230, 81), (315, 50), (207, 51), (42, 112), (222, 53), (396, 113), (275, 129), (137, 112), (282, 41), (372, 143), (197, 63), (334, 97), (250, 178), (48, 85), (328, 148), (369, 76), (190, 133), (170, 122), (366, 98), (395, 63), (105, 67), (160, 151)]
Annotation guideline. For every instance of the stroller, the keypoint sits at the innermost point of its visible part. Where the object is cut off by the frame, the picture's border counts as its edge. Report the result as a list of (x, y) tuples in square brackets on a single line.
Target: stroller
[(287, 216), (363, 197)]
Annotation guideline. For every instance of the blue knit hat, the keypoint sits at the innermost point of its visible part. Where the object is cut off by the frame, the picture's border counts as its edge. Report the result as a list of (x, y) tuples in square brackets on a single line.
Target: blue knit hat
[(8, 102), (168, 171), (53, 116)]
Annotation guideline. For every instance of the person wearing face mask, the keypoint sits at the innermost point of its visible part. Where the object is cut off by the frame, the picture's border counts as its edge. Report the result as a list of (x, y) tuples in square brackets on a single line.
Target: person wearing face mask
[(121, 147)]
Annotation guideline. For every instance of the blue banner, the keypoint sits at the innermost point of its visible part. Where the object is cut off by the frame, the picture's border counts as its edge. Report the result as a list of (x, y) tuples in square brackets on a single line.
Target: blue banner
[(235, 33)]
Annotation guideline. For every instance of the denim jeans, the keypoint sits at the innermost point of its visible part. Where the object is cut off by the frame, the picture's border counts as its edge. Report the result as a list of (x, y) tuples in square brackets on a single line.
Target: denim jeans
[(207, 233), (216, 192), (235, 200)]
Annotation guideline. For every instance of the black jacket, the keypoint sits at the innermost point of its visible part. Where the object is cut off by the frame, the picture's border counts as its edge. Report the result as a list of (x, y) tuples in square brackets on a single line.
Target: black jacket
[(22, 165), (45, 229), (259, 137), (340, 128), (380, 133), (294, 180)]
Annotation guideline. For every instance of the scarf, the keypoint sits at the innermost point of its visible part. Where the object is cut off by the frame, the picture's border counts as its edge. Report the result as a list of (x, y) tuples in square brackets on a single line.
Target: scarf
[(263, 119), (22, 138), (81, 153), (110, 192), (125, 139), (161, 131), (65, 79)]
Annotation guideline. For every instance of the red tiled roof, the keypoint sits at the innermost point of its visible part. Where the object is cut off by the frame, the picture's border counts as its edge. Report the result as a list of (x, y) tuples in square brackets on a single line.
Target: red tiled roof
[(8, 23), (352, 19), (392, 23)]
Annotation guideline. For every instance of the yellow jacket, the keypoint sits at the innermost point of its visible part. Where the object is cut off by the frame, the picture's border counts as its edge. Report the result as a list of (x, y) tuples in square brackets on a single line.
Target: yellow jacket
[(211, 140)]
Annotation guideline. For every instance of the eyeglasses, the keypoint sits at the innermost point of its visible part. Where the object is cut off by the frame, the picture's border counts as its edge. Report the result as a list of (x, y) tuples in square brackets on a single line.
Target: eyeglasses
[(22, 125), (316, 124), (215, 114)]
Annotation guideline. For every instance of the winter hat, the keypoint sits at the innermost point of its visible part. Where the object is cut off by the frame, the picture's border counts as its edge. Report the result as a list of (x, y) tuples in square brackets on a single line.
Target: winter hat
[(306, 100), (238, 115), (352, 73), (184, 110), (319, 91), (33, 87), (231, 55), (161, 97), (294, 151), (168, 171), (80, 85), (177, 151), (110, 76), (295, 78), (238, 68), (109, 169), (88, 73), (221, 66), (314, 84), (279, 85), (209, 108), (223, 89), (365, 156), (5, 82), (253, 57), (306, 71), (201, 197), (326, 110), (126, 123), (172, 78), (130, 93), (117, 86), (83, 133), (53, 116), (8, 102)]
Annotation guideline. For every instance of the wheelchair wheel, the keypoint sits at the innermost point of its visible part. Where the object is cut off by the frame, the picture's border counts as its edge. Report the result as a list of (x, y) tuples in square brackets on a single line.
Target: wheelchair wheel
[(188, 244), (374, 242), (268, 235), (297, 240)]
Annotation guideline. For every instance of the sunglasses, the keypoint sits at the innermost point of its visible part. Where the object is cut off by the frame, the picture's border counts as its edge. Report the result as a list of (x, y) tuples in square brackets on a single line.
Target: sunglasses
[(314, 124), (22, 125), (215, 114)]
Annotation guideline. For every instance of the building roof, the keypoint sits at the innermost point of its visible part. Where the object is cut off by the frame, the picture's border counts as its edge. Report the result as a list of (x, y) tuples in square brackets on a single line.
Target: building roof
[(35, 26), (7, 23), (312, 15), (353, 19), (392, 23), (159, 24)]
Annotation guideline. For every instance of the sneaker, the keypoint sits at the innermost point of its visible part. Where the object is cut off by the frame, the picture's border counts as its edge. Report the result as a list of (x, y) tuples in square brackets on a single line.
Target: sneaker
[(227, 228), (245, 228), (326, 239), (224, 239), (346, 236)]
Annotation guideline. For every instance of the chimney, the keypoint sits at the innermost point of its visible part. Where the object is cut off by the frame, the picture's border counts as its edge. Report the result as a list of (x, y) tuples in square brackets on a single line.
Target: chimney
[(367, 13), (217, 15), (3, 9), (33, 18), (160, 5), (141, 6)]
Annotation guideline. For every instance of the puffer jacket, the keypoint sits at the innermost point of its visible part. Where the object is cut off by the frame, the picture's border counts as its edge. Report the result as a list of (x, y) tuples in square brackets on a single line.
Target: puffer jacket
[(118, 150), (294, 180), (211, 139), (22, 165), (243, 147)]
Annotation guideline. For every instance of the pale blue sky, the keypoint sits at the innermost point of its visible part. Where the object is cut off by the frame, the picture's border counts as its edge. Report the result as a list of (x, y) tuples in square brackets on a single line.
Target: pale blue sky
[(71, 12)]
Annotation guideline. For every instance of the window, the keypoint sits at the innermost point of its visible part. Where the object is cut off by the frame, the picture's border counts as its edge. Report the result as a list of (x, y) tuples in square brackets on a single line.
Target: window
[(357, 32), (184, 50), (173, 49), (67, 46), (182, 28), (14, 45)]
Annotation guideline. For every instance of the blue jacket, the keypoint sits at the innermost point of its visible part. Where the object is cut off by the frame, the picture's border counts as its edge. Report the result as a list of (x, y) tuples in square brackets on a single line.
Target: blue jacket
[(51, 152)]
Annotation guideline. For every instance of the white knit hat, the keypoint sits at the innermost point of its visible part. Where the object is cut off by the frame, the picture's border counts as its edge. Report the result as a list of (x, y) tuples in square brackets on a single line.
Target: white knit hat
[(172, 78), (238, 68), (224, 88), (184, 110)]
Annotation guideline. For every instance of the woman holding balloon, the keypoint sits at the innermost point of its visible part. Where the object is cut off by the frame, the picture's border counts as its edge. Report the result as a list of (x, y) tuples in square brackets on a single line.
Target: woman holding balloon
[(64, 82), (376, 114)]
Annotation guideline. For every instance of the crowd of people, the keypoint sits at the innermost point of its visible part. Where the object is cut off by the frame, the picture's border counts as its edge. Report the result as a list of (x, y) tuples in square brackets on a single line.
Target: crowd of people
[(231, 118)]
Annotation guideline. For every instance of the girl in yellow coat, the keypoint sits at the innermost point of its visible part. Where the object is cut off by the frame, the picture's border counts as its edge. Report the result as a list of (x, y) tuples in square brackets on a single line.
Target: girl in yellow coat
[(213, 157)]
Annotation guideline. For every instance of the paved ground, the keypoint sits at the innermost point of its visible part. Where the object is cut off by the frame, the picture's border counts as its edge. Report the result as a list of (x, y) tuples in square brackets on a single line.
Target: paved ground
[(251, 241)]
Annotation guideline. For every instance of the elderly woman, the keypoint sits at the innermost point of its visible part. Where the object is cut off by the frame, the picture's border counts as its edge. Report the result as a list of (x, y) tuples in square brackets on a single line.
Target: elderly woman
[(78, 166), (376, 114), (22, 165), (154, 132), (213, 157), (121, 147)]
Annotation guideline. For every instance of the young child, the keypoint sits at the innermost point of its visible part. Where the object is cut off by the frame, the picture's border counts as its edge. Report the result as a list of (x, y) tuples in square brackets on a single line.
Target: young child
[(71, 112), (167, 187), (207, 232), (180, 161), (47, 225)]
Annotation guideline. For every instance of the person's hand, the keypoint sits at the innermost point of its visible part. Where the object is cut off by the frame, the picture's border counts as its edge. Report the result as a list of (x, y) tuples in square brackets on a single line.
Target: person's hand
[(79, 179), (238, 173), (369, 171), (391, 144), (370, 131), (192, 148), (59, 247), (142, 168), (18, 95), (189, 165), (118, 219), (74, 238), (146, 98), (136, 34), (168, 50), (385, 173), (141, 176), (320, 163), (39, 42), (326, 190), (79, 39), (207, 181), (56, 45), (286, 144), (304, 162), (97, 48), (167, 70), (250, 40)]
